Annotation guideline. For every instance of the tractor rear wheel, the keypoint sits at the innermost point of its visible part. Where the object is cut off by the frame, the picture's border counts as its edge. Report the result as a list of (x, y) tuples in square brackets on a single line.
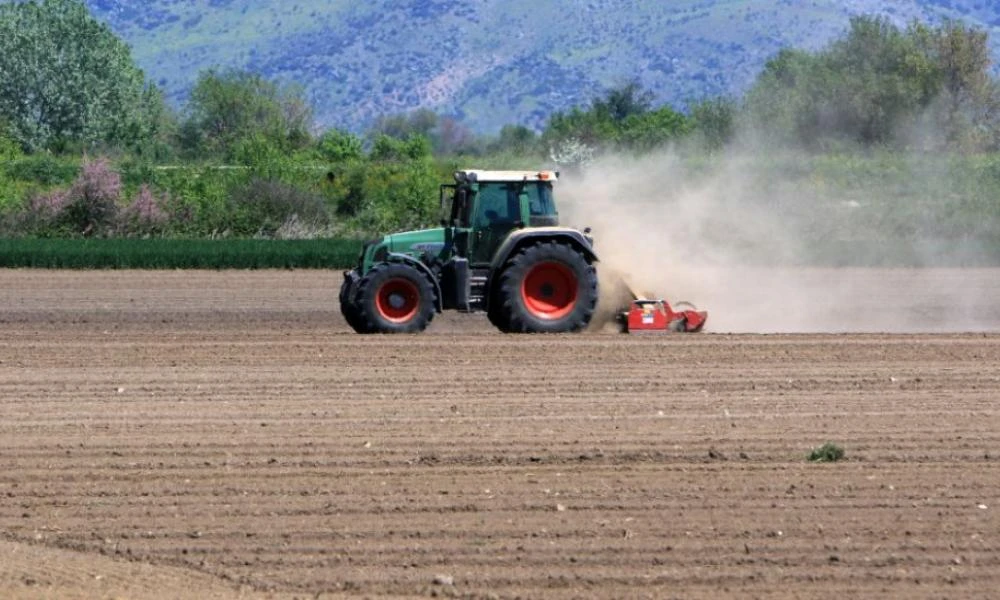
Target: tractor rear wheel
[(546, 288), (497, 314), (394, 298), (350, 310)]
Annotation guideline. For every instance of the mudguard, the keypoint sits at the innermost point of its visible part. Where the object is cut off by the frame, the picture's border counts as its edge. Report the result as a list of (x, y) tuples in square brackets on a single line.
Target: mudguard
[(520, 237)]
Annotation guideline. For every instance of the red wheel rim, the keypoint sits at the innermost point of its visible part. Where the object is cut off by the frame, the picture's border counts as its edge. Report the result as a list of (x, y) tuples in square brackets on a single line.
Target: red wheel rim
[(398, 300), (549, 290)]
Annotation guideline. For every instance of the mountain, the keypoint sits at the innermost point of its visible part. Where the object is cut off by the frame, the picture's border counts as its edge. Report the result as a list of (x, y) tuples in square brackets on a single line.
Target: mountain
[(492, 62)]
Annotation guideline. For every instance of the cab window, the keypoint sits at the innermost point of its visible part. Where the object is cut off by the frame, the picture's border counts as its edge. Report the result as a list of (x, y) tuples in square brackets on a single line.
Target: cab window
[(498, 204), (540, 199)]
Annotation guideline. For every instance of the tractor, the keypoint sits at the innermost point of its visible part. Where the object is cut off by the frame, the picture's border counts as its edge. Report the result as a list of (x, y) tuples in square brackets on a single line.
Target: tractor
[(499, 250)]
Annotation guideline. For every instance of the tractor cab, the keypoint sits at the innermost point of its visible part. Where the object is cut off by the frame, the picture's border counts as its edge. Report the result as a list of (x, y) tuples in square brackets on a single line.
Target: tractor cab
[(483, 207)]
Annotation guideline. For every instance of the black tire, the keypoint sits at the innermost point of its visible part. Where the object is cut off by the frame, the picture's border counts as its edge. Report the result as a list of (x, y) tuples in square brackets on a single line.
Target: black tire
[(394, 298), (350, 310), (496, 314), (548, 287)]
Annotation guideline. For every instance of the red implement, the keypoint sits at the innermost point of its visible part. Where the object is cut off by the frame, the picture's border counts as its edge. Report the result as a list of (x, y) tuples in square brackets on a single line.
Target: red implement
[(658, 316)]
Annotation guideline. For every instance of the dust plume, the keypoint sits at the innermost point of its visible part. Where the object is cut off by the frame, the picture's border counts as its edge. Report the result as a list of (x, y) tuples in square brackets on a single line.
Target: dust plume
[(762, 248)]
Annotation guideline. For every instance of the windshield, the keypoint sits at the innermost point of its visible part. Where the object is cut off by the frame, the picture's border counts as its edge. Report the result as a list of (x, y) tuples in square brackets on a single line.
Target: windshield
[(499, 202)]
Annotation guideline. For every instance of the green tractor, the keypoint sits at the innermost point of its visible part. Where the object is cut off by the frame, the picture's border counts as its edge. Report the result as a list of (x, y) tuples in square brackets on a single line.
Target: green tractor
[(500, 250)]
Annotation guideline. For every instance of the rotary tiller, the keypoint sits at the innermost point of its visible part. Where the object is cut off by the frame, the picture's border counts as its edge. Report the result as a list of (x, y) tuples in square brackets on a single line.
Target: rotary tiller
[(658, 316)]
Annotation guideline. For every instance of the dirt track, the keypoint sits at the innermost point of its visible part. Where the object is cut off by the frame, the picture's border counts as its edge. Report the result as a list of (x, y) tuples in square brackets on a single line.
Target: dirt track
[(223, 435)]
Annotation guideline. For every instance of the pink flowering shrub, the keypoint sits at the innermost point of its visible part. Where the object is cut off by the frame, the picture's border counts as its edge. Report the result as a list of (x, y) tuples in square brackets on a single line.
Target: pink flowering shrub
[(49, 205), (145, 215), (93, 206), (88, 207)]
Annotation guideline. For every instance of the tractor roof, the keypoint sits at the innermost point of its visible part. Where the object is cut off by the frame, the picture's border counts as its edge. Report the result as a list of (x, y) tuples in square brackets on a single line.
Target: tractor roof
[(482, 175)]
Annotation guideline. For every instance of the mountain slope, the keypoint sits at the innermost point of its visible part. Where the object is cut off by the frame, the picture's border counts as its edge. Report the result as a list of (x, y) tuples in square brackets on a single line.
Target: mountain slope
[(491, 62)]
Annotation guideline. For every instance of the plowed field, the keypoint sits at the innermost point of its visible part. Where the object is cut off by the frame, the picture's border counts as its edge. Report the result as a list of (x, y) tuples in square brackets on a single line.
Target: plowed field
[(224, 435)]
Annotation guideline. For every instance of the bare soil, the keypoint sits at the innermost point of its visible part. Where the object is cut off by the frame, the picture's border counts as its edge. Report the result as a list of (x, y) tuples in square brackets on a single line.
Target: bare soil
[(224, 435)]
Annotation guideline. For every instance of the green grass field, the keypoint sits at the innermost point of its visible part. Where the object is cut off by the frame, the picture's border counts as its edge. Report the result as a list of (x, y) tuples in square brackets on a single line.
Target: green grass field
[(177, 254)]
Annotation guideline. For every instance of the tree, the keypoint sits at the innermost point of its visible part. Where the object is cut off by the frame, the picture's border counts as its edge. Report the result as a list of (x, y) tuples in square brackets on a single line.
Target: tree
[(962, 53), (66, 79), (9, 148), (623, 102), (339, 146), (714, 120), (787, 100), (451, 138), (516, 139), (585, 126), (401, 126), (623, 119), (389, 149), (884, 78), (880, 85), (966, 111), (652, 129), (227, 109), (446, 134), (862, 88)]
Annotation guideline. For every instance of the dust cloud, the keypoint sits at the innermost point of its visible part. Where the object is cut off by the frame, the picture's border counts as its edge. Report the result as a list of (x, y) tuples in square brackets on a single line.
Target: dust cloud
[(751, 255)]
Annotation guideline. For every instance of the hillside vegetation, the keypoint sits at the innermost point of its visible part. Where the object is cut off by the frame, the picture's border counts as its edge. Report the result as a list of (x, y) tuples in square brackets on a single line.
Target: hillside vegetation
[(490, 63)]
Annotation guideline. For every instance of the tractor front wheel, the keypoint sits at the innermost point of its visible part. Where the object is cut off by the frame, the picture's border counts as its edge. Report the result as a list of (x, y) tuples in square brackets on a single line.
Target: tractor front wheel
[(394, 298), (348, 308), (546, 288)]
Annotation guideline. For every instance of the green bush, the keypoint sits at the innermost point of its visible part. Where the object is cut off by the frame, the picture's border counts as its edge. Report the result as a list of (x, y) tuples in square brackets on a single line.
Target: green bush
[(43, 169), (389, 196), (390, 149), (261, 207), (828, 452), (338, 146), (198, 197), (12, 193), (10, 150)]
